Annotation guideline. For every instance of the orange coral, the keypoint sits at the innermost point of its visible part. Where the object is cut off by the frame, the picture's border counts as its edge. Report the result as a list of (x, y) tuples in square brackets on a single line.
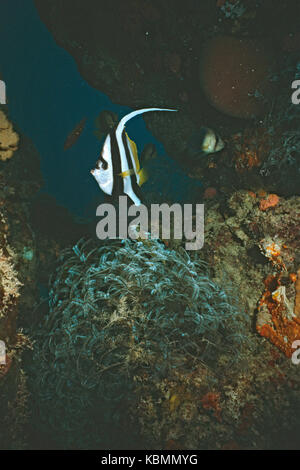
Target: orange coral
[(247, 160), (273, 251), (271, 201), (274, 319), (249, 149), (211, 401)]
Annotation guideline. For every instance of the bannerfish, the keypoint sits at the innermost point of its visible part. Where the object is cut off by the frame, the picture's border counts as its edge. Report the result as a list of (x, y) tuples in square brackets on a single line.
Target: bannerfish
[(204, 142), (74, 135), (118, 168)]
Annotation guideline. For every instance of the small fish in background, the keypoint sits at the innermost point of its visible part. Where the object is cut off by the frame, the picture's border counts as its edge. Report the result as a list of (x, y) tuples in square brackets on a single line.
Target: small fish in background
[(75, 134), (149, 153), (104, 123), (204, 142), (118, 168)]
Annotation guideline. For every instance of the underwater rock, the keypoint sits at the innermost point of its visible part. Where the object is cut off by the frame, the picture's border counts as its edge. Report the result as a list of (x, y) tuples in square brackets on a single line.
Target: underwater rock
[(148, 153), (233, 71), (9, 139), (291, 41), (48, 217), (173, 62), (273, 235), (105, 122)]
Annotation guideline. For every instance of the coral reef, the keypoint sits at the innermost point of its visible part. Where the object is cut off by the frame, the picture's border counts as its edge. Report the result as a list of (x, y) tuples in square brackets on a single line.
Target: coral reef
[(9, 288), (141, 346), (118, 314), (271, 201), (275, 319), (13, 392), (276, 235), (9, 139), (144, 370), (18, 278)]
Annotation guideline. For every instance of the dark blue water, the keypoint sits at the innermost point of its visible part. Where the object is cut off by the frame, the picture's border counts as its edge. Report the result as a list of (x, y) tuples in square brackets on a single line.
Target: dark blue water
[(47, 97)]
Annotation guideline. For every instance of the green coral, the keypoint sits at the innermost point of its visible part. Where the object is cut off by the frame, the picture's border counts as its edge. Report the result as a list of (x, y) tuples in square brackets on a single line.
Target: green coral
[(119, 312)]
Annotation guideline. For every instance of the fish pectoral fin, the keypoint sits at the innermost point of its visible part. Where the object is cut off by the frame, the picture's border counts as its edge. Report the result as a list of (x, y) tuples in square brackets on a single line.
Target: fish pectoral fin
[(143, 176)]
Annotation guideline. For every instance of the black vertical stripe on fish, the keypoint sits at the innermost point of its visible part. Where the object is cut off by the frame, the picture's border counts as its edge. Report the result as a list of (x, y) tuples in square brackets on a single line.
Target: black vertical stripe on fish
[(217, 142), (118, 182)]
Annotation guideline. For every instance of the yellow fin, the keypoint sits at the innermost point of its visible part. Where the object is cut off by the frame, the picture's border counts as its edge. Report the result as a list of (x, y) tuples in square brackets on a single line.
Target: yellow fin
[(143, 174), (127, 173), (134, 153)]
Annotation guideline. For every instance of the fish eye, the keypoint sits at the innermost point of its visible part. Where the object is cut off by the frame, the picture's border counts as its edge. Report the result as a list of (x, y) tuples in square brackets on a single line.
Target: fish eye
[(104, 165)]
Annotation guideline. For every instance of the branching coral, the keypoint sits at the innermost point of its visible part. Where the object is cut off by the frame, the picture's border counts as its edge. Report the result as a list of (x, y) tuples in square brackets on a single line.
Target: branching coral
[(118, 313)]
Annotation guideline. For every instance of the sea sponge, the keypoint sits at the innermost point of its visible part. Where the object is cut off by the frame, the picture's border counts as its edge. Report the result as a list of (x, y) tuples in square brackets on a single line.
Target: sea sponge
[(271, 201), (9, 139), (233, 72), (120, 313)]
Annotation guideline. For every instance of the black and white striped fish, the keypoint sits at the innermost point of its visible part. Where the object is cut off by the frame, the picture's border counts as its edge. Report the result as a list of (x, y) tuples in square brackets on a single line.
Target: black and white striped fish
[(118, 169)]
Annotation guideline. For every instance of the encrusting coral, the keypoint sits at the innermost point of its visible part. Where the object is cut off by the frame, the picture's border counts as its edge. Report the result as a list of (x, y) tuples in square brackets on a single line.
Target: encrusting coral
[(119, 313), (9, 139), (9, 286), (13, 391)]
